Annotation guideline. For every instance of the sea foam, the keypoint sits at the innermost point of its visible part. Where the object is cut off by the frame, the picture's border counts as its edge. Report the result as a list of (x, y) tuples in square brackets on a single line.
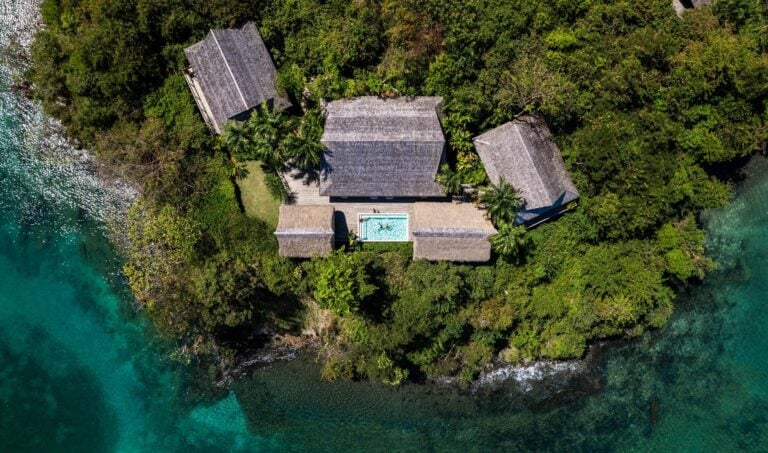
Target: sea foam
[(49, 166)]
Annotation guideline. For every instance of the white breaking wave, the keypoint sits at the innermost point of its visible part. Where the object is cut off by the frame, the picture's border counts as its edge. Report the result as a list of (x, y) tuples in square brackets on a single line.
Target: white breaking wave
[(19, 19), (527, 375), (35, 151)]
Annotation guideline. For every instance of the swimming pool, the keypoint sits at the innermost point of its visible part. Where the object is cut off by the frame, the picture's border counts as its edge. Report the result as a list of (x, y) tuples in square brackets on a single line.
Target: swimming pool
[(383, 227)]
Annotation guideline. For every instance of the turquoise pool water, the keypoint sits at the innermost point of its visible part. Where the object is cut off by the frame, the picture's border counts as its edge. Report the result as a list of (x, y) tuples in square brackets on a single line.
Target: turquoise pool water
[(383, 227)]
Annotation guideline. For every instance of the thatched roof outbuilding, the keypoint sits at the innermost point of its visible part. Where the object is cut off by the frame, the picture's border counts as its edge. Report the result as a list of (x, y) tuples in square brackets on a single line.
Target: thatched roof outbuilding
[(305, 231), (450, 232), (230, 73), (523, 153), (383, 147)]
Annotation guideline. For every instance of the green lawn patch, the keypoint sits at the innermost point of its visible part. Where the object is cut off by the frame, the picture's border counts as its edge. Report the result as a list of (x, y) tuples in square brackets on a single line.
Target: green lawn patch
[(403, 248), (257, 200)]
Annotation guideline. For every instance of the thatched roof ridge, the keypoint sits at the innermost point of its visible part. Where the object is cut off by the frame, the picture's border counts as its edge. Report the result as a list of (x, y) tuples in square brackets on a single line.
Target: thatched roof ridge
[(450, 232), (235, 72), (305, 231), (525, 155), (383, 147), (374, 119)]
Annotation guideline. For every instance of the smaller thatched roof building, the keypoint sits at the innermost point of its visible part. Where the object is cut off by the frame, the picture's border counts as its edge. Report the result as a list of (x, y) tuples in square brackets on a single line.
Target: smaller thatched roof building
[(305, 231), (230, 73), (450, 232), (525, 155), (383, 147), (682, 5)]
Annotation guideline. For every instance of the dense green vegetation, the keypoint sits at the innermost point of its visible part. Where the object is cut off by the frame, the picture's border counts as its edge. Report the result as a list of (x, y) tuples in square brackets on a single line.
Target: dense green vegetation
[(648, 110)]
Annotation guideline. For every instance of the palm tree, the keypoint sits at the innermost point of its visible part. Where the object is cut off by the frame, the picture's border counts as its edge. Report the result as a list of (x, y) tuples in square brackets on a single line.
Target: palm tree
[(238, 170), (265, 120), (264, 130), (303, 147), (304, 152), (501, 202), (267, 152), (236, 139), (511, 242), (450, 180)]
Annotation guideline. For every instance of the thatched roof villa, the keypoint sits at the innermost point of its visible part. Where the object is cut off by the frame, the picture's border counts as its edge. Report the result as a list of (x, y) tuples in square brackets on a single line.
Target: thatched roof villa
[(383, 157), (230, 73), (524, 154), (383, 147), (681, 5), (305, 231)]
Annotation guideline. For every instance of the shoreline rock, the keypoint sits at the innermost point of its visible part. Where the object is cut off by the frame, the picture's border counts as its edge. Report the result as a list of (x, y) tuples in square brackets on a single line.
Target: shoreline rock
[(542, 384)]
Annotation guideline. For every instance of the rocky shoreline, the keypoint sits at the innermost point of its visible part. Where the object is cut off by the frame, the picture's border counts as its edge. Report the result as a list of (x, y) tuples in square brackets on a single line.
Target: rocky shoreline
[(542, 383)]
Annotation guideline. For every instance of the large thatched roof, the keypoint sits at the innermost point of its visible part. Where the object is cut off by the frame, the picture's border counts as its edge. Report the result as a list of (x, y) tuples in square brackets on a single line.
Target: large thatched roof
[(305, 231), (450, 232), (524, 154), (234, 71), (383, 147)]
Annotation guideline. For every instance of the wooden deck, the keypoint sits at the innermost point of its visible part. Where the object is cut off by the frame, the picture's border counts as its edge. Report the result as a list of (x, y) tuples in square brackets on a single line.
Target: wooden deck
[(304, 192)]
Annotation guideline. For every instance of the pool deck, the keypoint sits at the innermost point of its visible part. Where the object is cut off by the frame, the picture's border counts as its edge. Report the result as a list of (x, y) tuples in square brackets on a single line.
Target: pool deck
[(346, 212), (440, 229)]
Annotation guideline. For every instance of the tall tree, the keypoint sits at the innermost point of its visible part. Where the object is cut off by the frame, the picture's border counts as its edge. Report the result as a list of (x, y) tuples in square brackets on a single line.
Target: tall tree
[(501, 202), (303, 146), (236, 139), (511, 242), (450, 180)]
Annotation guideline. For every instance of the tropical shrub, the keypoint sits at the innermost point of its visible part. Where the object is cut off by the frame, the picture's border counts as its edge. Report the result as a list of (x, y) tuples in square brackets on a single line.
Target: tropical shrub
[(340, 283), (501, 202)]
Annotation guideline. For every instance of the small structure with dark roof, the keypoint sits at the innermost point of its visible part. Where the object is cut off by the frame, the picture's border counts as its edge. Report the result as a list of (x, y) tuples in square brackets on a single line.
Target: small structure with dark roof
[(451, 232), (305, 231), (388, 148), (230, 73), (523, 153), (681, 5)]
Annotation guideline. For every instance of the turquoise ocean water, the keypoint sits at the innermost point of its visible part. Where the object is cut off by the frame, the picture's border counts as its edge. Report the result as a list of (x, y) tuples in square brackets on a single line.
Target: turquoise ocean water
[(81, 371)]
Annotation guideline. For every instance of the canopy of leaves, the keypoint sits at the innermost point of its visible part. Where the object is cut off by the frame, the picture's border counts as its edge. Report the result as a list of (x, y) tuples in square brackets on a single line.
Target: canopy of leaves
[(340, 283)]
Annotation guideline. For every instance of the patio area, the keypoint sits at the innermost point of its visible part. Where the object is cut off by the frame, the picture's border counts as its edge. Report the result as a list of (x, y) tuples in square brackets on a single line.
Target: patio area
[(439, 227), (308, 193)]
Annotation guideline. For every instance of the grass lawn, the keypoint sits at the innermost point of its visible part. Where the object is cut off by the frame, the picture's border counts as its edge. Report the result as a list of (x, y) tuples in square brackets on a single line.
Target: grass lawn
[(404, 248), (256, 198)]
